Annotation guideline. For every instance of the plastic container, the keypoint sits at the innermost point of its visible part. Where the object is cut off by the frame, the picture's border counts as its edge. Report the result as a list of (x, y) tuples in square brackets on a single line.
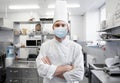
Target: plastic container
[(10, 52)]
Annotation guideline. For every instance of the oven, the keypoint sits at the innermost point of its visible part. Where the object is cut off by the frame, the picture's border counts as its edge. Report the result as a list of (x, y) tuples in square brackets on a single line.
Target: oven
[(33, 42)]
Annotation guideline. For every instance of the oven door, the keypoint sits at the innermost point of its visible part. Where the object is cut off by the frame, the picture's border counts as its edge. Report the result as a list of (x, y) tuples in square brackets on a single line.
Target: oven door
[(31, 43)]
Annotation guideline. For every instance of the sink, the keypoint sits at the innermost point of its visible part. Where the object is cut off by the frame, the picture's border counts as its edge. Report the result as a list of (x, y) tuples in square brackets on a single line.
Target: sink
[(100, 65)]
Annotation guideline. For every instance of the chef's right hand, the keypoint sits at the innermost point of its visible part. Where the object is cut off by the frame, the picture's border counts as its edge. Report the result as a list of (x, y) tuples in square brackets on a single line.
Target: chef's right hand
[(46, 60)]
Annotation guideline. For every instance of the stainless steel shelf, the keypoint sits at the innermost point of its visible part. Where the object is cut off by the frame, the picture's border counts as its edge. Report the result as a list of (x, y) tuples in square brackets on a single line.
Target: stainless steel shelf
[(27, 22), (111, 39), (29, 47), (5, 29), (32, 47), (108, 28)]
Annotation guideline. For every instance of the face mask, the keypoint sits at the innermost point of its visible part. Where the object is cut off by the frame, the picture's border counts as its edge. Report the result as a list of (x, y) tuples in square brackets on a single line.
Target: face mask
[(60, 32)]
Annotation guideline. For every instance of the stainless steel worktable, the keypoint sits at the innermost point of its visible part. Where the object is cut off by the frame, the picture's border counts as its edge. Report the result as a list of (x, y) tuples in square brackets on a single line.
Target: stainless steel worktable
[(23, 64), (103, 77)]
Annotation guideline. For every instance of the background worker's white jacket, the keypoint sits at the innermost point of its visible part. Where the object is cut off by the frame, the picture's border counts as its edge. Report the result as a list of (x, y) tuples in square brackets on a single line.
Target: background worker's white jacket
[(64, 53)]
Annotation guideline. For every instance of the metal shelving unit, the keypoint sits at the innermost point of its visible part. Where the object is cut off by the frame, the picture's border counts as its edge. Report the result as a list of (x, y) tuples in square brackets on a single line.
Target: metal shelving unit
[(31, 24), (111, 31), (17, 38), (26, 22)]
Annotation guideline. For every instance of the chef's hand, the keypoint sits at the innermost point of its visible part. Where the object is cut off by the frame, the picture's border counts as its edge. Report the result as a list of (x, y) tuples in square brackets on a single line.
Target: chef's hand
[(60, 76), (60, 70), (46, 60), (64, 68)]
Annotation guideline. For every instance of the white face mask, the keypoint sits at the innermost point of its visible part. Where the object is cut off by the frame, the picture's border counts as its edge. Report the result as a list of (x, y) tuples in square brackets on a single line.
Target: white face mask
[(60, 32)]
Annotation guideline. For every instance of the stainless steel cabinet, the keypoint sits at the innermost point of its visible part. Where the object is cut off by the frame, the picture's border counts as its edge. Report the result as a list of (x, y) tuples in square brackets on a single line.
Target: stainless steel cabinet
[(29, 73), (23, 75), (30, 80), (0, 74), (94, 79), (13, 75), (13, 72), (40, 80)]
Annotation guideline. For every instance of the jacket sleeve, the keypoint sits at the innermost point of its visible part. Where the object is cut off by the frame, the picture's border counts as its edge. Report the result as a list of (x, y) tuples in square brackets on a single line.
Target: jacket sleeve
[(44, 70), (78, 72)]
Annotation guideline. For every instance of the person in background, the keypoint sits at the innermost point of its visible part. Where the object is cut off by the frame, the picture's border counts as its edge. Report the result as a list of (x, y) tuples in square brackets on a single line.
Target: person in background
[(60, 60), (38, 27)]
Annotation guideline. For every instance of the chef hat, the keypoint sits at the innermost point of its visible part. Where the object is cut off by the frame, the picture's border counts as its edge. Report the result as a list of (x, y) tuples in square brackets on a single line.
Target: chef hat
[(60, 12)]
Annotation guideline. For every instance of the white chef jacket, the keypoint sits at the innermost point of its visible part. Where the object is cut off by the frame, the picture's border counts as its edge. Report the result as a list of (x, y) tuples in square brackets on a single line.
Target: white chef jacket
[(61, 53)]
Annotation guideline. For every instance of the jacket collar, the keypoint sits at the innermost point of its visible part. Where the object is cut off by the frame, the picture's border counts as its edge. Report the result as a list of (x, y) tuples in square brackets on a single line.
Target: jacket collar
[(64, 42)]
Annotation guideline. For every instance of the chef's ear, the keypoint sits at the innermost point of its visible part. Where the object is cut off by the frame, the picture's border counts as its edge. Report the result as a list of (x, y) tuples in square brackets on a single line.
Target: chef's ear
[(68, 27), (53, 25)]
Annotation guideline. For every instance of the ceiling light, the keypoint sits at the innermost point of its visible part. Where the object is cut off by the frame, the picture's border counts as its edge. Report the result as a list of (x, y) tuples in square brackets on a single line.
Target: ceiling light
[(24, 7), (73, 5), (50, 13), (51, 6), (69, 6)]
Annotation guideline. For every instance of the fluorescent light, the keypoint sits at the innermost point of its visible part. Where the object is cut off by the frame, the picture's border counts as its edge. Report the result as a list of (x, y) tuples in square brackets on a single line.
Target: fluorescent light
[(50, 13), (69, 6), (24, 7), (73, 5), (51, 6)]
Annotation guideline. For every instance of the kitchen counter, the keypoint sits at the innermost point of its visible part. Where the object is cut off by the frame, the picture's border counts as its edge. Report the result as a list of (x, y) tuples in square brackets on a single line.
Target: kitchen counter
[(102, 77)]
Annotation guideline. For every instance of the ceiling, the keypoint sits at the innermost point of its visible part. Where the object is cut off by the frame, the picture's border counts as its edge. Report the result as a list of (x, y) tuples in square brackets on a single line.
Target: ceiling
[(85, 5)]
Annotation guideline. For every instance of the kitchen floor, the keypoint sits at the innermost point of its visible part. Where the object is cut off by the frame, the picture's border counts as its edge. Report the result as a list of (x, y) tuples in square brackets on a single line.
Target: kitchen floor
[(85, 80)]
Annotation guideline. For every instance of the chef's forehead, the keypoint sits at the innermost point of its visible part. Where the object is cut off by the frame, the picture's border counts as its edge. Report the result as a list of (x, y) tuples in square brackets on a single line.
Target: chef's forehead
[(60, 22)]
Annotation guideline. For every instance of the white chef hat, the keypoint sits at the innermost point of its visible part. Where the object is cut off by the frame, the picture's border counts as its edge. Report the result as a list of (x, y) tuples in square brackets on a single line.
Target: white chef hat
[(60, 12)]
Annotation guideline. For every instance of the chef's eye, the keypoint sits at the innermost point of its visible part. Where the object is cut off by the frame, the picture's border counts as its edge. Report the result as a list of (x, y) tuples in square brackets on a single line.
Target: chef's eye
[(63, 25), (57, 25)]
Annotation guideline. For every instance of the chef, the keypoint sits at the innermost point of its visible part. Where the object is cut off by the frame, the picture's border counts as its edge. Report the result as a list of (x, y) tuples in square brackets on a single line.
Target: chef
[(60, 60)]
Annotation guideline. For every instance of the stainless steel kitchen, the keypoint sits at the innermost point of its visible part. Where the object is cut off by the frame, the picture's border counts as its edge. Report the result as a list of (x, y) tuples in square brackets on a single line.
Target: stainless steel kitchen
[(59, 41)]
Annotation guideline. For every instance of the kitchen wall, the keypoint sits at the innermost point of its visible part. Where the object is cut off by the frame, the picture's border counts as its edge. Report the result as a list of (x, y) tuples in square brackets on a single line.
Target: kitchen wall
[(77, 28), (76, 21), (91, 23)]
